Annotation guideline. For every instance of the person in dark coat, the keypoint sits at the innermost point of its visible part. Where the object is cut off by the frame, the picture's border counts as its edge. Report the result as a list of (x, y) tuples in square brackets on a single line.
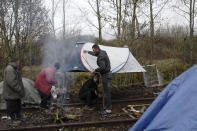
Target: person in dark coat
[(44, 82), (13, 89), (89, 91), (104, 68)]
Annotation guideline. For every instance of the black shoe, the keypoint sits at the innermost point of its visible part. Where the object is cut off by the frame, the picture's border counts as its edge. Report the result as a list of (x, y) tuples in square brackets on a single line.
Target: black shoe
[(88, 108), (44, 106), (15, 123)]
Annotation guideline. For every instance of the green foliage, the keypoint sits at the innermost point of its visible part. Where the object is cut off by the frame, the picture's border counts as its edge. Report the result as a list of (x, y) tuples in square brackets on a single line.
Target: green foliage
[(31, 72), (3, 60), (171, 68), (127, 79)]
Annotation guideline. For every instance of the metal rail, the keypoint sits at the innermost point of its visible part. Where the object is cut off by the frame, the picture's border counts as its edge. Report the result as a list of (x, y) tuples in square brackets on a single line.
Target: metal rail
[(130, 101), (75, 125), (140, 100)]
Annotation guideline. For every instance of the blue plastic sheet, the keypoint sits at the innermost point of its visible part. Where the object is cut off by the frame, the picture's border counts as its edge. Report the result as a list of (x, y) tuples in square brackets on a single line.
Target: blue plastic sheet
[(175, 109)]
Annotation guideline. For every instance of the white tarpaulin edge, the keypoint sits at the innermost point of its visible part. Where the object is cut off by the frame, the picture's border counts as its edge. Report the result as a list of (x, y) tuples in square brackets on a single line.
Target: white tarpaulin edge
[(122, 60)]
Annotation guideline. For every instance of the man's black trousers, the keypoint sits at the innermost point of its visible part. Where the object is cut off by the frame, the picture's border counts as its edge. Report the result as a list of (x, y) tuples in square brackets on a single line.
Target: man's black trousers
[(45, 99), (14, 109)]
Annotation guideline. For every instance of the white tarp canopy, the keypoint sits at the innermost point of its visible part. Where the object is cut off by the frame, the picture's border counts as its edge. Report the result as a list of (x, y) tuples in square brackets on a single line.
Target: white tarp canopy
[(122, 60)]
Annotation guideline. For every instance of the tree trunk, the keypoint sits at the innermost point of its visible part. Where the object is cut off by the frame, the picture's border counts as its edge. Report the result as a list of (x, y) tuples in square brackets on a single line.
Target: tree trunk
[(191, 18), (151, 30), (64, 17), (53, 17), (16, 27), (29, 39), (119, 18), (99, 20), (124, 33), (133, 25), (191, 26), (138, 27)]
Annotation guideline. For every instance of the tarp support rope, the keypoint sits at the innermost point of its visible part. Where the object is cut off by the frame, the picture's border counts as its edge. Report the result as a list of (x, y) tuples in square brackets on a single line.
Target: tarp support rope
[(122, 63), (87, 63)]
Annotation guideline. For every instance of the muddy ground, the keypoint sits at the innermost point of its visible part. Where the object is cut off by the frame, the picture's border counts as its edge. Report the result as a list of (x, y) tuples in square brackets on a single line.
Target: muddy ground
[(37, 116)]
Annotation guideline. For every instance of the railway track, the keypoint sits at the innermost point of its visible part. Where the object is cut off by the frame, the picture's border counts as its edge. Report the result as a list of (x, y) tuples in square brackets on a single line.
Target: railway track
[(70, 126), (130, 101), (76, 125)]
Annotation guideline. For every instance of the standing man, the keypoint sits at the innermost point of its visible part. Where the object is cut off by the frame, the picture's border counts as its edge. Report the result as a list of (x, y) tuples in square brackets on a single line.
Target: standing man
[(104, 68), (44, 82), (13, 89)]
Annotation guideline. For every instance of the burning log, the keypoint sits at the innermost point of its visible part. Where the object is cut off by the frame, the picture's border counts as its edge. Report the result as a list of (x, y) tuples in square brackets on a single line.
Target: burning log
[(60, 114)]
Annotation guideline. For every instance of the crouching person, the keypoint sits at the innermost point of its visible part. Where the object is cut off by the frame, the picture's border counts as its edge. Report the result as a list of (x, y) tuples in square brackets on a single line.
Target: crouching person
[(89, 91), (13, 89), (44, 82)]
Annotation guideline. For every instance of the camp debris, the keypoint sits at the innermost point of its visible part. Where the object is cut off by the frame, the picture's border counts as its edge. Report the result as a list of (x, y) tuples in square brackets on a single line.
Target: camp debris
[(135, 111)]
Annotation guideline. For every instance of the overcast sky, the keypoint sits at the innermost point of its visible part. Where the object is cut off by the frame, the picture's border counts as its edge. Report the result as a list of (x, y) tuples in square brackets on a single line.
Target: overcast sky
[(78, 11)]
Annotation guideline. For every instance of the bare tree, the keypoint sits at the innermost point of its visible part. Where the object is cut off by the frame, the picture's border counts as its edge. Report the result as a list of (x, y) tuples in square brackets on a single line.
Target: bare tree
[(30, 26), (53, 16), (188, 10), (131, 28), (18, 25), (152, 31), (124, 14), (115, 16), (119, 17), (96, 7), (99, 20), (54, 8), (134, 18), (154, 12), (64, 18)]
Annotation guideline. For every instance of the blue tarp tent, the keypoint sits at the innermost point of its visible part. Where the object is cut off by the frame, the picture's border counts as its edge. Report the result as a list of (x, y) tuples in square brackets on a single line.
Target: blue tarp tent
[(175, 109), (75, 60)]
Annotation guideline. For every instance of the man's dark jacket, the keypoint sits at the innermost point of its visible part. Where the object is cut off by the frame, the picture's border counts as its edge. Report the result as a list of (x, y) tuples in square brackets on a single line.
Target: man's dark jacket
[(89, 85), (103, 62)]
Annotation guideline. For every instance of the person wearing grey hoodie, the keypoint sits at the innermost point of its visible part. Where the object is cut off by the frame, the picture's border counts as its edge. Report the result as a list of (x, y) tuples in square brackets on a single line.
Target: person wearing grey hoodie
[(13, 89)]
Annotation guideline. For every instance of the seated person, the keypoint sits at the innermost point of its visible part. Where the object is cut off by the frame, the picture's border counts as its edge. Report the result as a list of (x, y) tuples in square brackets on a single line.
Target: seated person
[(89, 91)]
